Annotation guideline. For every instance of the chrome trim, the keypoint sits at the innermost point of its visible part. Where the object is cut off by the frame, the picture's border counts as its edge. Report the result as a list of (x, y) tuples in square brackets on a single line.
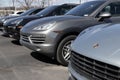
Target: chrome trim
[(29, 38)]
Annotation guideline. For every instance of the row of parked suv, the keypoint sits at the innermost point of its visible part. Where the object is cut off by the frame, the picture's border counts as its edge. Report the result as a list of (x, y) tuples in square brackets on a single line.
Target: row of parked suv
[(41, 41), (94, 53)]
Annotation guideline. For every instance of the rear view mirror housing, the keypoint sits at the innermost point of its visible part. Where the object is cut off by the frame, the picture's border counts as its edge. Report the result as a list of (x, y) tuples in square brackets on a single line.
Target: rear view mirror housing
[(105, 15)]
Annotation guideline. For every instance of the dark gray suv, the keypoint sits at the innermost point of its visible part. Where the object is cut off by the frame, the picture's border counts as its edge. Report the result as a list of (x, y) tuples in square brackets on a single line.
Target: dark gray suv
[(52, 36)]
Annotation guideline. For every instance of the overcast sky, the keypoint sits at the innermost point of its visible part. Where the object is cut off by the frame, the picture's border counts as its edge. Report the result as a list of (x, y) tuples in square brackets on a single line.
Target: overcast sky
[(7, 3)]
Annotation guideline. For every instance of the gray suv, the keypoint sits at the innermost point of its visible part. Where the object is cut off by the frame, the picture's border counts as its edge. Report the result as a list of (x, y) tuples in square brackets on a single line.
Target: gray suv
[(52, 36)]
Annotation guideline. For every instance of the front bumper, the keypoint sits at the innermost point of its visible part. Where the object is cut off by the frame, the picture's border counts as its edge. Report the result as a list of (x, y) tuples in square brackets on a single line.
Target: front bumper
[(9, 29), (76, 76), (16, 33), (42, 42), (1, 25), (45, 49)]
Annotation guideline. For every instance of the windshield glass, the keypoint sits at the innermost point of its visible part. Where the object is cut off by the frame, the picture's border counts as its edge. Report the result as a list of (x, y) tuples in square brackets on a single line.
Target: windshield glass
[(27, 12), (46, 11), (85, 9)]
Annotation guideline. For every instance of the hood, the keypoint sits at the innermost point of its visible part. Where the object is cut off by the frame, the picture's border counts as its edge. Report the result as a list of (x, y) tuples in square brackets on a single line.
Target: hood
[(58, 19), (6, 18), (25, 17), (101, 43), (9, 17), (9, 21)]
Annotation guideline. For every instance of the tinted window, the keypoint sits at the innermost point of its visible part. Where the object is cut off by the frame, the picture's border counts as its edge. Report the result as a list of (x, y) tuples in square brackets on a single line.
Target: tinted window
[(65, 9), (113, 8), (62, 10), (27, 12), (36, 11), (19, 12), (85, 9), (46, 11)]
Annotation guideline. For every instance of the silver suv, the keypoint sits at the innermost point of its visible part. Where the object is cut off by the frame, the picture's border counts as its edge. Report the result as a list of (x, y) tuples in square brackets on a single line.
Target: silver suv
[(96, 54), (52, 36)]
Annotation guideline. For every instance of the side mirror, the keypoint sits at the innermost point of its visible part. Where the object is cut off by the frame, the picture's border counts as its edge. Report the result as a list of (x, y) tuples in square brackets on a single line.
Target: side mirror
[(105, 15)]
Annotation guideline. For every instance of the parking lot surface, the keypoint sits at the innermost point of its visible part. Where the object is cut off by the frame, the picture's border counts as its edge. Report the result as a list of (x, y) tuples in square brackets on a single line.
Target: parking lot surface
[(20, 63)]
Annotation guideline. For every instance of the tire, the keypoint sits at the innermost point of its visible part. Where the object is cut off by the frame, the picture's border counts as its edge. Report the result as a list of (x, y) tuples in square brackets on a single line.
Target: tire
[(63, 50)]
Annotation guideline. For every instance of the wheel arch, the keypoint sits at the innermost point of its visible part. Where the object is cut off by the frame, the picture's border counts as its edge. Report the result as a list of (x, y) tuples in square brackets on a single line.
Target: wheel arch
[(62, 37)]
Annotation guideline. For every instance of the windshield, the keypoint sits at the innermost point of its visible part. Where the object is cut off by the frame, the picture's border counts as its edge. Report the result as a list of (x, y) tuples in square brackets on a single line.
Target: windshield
[(46, 11), (27, 12), (85, 9)]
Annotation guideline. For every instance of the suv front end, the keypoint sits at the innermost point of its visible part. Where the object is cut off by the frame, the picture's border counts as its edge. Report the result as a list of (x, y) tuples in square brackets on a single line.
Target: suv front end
[(51, 30), (95, 54), (41, 36), (43, 41)]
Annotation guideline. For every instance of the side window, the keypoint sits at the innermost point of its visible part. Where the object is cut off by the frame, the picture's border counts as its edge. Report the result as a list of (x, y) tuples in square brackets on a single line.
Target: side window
[(62, 10), (113, 8), (36, 11), (65, 10), (19, 12), (56, 12), (106, 9)]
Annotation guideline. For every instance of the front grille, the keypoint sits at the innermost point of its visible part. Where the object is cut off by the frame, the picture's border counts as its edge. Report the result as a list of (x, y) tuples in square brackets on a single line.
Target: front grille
[(25, 38), (93, 68), (38, 39)]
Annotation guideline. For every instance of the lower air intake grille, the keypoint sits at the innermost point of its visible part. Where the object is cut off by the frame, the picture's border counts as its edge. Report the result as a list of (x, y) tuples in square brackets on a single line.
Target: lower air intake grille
[(35, 39), (25, 38), (94, 68)]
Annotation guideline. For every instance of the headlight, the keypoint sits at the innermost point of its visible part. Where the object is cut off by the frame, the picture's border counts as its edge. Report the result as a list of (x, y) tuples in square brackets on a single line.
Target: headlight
[(17, 21), (45, 26), (3, 20)]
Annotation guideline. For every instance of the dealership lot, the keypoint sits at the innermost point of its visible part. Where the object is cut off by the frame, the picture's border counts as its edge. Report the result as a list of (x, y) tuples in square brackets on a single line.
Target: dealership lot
[(20, 63)]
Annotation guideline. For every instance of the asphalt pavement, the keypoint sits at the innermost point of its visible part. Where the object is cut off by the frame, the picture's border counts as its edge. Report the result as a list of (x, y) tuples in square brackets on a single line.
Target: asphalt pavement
[(19, 63)]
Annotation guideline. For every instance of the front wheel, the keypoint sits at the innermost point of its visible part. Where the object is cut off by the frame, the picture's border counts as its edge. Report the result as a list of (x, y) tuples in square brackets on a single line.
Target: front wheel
[(64, 50)]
